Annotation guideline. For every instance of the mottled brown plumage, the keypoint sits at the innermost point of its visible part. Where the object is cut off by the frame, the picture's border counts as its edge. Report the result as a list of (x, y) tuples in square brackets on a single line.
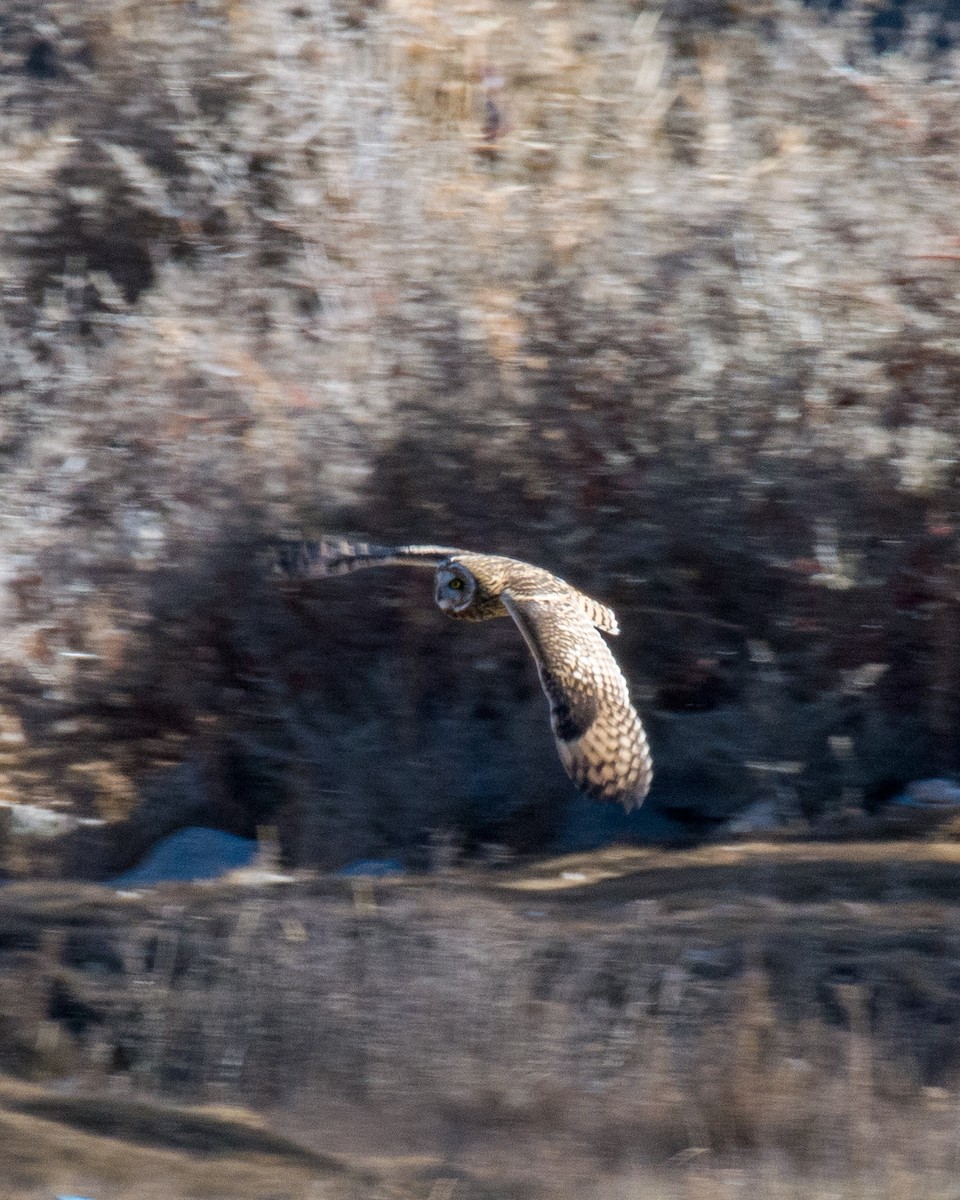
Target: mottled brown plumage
[(601, 741)]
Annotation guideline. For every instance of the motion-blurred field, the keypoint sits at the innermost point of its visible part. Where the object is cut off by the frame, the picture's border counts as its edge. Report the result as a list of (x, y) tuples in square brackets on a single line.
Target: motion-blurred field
[(664, 300), (623, 1024)]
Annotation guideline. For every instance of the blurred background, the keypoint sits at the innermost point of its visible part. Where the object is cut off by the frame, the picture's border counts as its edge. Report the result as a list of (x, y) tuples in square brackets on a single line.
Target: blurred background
[(660, 296)]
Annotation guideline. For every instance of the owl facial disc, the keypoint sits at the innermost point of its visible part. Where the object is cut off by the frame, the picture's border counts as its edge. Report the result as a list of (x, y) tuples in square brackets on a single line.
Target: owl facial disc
[(455, 588)]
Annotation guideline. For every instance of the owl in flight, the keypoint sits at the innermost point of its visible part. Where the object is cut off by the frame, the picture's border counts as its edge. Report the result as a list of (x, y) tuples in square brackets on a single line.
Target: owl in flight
[(602, 744)]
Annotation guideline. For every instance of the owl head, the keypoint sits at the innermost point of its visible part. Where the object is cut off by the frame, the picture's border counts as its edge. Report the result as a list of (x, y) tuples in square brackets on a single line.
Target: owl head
[(455, 588)]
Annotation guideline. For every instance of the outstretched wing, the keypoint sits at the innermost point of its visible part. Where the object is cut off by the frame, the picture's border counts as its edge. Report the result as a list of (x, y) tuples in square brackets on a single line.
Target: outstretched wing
[(598, 614), (328, 557), (602, 743)]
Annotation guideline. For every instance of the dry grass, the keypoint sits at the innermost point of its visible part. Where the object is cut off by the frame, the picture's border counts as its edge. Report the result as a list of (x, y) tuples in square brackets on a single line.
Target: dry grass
[(47, 1149), (609, 1033)]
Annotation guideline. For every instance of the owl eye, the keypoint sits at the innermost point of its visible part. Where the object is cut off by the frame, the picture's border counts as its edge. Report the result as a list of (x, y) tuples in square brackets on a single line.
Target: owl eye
[(456, 584)]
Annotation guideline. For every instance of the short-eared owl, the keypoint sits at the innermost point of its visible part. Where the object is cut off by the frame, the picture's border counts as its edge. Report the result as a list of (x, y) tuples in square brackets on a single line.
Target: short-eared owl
[(601, 741)]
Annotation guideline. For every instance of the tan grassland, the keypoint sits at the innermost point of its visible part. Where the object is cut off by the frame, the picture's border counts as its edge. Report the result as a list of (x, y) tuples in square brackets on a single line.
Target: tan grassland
[(752, 1017)]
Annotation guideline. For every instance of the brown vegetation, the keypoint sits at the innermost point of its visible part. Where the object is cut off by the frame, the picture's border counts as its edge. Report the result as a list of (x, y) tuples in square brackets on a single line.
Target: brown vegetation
[(111, 1155), (663, 300), (580, 1025)]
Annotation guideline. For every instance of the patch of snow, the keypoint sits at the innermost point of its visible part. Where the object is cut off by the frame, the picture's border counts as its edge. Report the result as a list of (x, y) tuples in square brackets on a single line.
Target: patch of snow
[(930, 793), (36, 821), (378, 868), (187, 855), (757, 818), (257, 876)]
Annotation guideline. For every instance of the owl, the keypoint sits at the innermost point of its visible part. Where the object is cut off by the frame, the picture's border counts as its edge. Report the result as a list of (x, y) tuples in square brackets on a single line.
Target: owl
[(601, 741)]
